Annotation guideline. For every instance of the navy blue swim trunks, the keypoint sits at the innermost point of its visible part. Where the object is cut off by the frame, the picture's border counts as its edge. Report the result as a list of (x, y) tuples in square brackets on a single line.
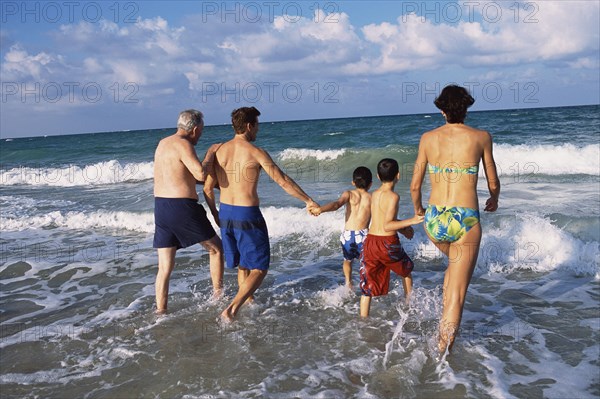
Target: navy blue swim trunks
[(245, 237), (180, 222)]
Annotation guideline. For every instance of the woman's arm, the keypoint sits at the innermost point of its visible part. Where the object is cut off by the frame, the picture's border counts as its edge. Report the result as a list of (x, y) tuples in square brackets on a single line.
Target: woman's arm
[(489, 167), (417, 178)]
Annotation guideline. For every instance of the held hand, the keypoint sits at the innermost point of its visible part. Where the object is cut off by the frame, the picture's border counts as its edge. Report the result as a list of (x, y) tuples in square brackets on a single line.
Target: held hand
[(417, 219), (313, 208), (491, 204), (407, 232), (201, 181), (316, 211), (420, 211)]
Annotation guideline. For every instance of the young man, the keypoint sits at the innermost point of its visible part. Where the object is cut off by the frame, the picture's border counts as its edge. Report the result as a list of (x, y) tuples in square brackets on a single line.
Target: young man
[(382, 250), (236, 169), (358, 215), (179, 220)]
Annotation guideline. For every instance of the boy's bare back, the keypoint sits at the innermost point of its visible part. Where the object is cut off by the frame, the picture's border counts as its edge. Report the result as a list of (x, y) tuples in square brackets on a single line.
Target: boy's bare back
[(384, 208), (358, 210)]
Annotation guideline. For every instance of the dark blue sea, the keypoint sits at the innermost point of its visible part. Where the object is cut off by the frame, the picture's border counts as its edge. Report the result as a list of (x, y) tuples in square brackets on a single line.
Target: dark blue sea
[(77, 272)]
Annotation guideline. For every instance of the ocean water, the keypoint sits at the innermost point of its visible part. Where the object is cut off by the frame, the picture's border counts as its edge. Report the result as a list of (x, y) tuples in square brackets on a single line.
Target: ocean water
[(77, 273)]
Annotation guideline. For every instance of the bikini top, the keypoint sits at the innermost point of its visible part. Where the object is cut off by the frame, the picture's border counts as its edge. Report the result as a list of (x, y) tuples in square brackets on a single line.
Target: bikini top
[(472, 170)]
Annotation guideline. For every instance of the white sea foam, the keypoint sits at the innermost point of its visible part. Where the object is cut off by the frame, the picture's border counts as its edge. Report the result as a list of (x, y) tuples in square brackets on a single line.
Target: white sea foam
[(531, 160), (285, 221), (141, 222), (522, 160), (109, 172), (304, 153), (281, 222), (335, 297), (530, 242), (527, 242)]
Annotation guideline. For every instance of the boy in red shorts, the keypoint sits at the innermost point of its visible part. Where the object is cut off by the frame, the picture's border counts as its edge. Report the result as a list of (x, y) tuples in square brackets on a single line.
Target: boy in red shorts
[(382, 250)]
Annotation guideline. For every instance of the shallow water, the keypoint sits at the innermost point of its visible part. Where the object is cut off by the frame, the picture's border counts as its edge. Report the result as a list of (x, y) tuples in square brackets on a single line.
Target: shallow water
[(77, 274)]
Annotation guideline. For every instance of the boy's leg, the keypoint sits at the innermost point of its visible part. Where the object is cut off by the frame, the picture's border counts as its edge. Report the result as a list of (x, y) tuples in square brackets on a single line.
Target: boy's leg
[(407, 283), (365, 305), (347, 267), (166, 263)]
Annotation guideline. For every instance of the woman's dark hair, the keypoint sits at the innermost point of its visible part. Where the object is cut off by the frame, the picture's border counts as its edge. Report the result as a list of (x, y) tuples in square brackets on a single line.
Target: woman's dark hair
[(387, 169), (454, 102), (362, 177)]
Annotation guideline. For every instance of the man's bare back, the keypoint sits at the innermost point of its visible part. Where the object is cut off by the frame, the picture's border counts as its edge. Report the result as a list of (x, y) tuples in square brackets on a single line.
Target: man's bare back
[(176, 168), (238, 164)]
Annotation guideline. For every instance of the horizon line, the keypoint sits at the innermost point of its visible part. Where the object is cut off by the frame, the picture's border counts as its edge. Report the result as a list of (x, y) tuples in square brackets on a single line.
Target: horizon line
[(302, 120)]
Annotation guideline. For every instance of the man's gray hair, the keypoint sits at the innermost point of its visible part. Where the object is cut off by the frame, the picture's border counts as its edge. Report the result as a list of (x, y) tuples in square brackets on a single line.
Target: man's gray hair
[(188, 119)]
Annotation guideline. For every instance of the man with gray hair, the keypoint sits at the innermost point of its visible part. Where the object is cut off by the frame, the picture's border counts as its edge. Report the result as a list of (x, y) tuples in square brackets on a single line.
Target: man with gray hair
[(180, 221)]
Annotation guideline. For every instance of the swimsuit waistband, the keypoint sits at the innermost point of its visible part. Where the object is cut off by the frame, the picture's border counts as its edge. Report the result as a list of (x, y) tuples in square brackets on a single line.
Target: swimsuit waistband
[(227, 211), (442, 208), (166, 199), (377, 237)]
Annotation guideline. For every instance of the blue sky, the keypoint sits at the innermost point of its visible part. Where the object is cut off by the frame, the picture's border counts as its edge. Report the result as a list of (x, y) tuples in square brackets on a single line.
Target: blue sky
[(77, 67)]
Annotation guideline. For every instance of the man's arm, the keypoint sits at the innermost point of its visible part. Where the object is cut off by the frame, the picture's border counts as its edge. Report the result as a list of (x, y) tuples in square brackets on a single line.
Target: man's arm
[(209, 196), (190, 159), (283, 180), (489, 167), (211, 182)]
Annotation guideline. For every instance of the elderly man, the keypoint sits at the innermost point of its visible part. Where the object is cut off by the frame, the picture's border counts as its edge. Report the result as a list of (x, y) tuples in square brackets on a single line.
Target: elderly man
[(180, 221)]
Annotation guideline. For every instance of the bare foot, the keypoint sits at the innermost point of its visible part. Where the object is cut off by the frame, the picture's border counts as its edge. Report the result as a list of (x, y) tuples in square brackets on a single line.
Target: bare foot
[(217, 294), (161, 311), (226, 315)]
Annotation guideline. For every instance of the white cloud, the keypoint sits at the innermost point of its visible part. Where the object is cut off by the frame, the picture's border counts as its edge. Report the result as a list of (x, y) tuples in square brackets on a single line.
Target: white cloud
[(19, 64), (171, 63), (151, 52), (563, 31), (585, 63)]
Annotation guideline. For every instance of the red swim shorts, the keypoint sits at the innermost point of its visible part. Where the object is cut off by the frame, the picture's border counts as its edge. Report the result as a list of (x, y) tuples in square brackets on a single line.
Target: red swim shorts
[(380, 255)]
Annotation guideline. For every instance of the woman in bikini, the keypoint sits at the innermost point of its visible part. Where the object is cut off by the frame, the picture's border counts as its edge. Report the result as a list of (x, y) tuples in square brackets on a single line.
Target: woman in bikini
[(451, 155)]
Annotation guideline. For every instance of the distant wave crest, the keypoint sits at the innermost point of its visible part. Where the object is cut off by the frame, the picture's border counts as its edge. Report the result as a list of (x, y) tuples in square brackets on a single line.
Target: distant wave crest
[(109, 172), (304, 153), (82, 221), (565, 159)]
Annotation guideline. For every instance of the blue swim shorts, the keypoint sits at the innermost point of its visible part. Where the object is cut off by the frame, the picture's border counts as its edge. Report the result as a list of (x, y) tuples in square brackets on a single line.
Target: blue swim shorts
[(180, 223), (245, 237), (352, 243)]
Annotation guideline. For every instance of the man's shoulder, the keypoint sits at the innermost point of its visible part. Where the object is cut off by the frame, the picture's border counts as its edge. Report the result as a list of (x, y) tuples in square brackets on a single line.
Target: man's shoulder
[(237, 149)]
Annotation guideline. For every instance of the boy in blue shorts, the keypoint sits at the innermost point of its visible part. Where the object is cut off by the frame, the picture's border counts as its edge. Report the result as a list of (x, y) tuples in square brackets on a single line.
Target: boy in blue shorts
[(358, 215)]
